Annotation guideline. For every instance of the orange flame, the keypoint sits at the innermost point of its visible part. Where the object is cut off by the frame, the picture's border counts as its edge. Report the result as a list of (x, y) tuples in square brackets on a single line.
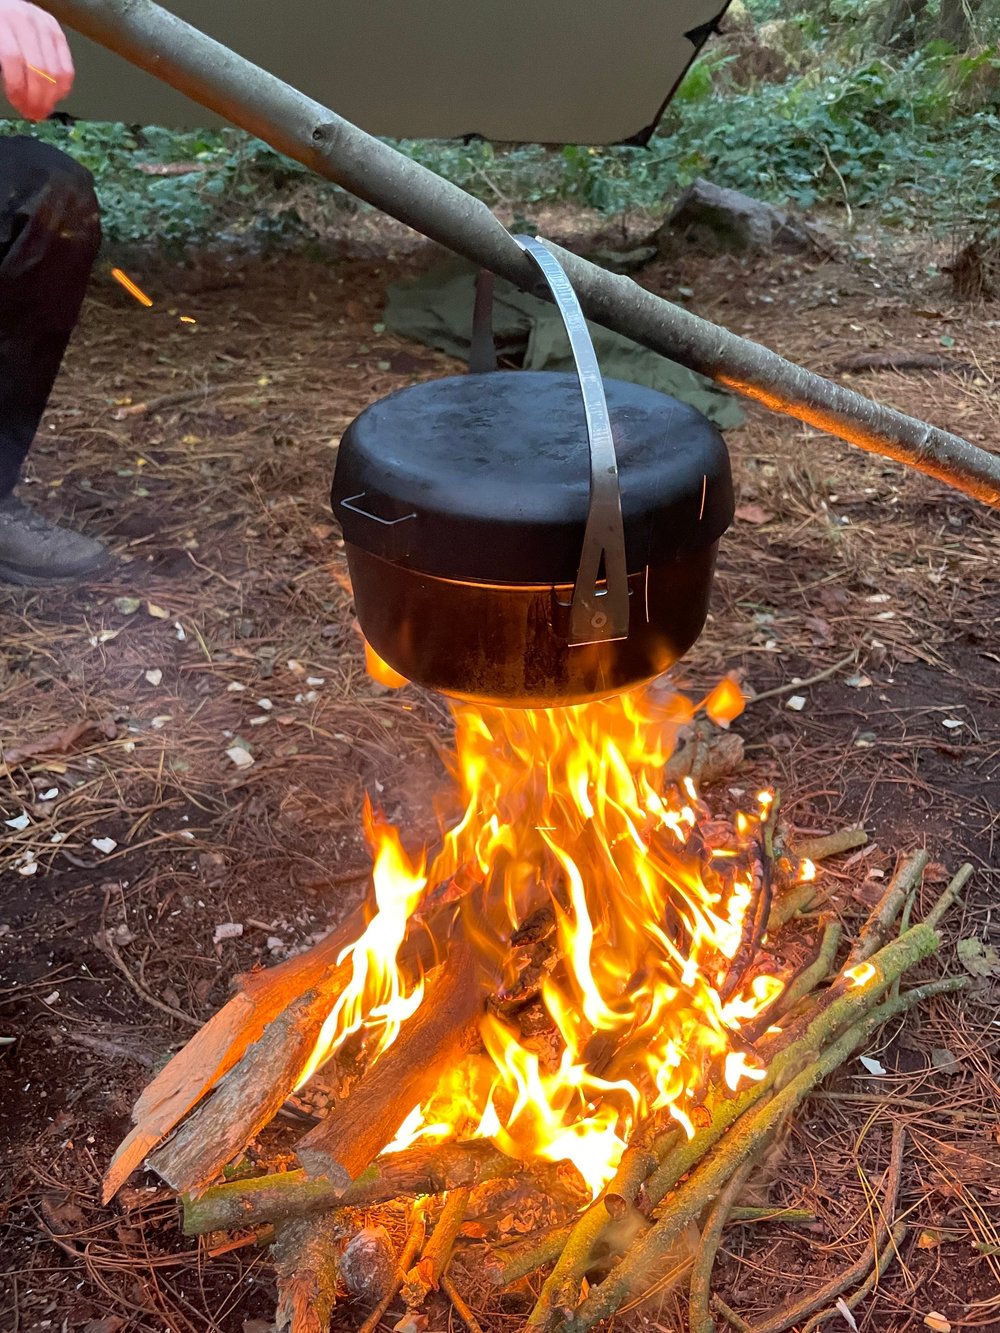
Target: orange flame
[(381, 671), (725, 703), (564, 810)]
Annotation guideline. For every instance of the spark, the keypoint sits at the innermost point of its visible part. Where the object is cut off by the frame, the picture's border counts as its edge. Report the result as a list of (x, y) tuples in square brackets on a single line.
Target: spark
[(43, 73), (130, 287)]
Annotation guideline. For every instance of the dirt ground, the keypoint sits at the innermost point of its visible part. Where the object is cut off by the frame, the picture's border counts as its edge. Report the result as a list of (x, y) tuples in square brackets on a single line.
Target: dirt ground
[(145, 837)]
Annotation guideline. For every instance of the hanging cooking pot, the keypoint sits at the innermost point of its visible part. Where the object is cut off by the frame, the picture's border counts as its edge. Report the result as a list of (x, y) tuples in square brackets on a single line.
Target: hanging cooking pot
[(489, 562)]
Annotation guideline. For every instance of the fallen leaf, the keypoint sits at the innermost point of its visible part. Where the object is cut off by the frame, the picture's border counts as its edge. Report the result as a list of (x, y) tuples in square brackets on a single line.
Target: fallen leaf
[(978, 959), (845, 1310), (227, 930), (128, 605), (937, 1322), (105, 636), (859, 681), (928, 1240), (942, 1058), (154, 676), (752, 514), (60, 741), (239, 756), (157, 612), (871, 1065), (171, 168)]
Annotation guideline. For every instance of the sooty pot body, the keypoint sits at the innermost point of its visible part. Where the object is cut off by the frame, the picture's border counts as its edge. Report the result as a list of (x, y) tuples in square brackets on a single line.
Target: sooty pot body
[(506, 643), (464, 502)]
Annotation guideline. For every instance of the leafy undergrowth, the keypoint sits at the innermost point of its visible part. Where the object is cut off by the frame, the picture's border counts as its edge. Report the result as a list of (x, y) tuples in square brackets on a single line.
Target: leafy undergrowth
[(809, 110)]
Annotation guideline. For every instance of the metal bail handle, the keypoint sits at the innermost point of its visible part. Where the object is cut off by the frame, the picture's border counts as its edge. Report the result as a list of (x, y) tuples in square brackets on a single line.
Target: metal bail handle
[(598, 614)]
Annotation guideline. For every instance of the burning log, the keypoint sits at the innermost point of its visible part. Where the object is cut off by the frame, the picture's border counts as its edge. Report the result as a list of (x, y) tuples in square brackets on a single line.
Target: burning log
[(245, 1099), (221, 1044), (357, 1129)]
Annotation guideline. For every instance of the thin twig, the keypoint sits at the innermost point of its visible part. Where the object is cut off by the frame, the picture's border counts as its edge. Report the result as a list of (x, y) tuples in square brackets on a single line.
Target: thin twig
[(876, 929), (792, 1314), (949, 895), (461, 1305), (843, 185), (829, 844), (116, 1050), (809, 680), (734, 1320), (107, 945), (699, 1316), (884, 1259), (413, 1242)]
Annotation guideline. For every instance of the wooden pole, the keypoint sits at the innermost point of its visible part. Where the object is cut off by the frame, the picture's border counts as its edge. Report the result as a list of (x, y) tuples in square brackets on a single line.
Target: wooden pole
[(251, 98)]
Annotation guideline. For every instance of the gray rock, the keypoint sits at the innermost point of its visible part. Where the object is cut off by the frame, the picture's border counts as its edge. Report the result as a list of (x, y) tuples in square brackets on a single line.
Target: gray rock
[(368, 1265), (714, 219)]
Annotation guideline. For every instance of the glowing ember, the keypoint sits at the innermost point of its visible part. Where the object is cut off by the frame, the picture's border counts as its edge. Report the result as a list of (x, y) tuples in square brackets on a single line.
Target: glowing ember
[(563, 814)]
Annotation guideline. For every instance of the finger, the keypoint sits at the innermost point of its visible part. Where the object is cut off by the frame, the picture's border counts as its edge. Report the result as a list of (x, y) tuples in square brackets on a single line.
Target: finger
[(20, 81), (58, 56), (47, 81), (15, 73), (40, 85)]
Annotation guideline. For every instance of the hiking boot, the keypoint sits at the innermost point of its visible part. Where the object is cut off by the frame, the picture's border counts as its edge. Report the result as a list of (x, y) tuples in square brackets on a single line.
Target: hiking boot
[(36, 553)]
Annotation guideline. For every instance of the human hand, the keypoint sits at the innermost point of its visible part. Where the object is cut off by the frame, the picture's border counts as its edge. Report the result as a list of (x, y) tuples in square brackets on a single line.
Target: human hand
[(34, 58)]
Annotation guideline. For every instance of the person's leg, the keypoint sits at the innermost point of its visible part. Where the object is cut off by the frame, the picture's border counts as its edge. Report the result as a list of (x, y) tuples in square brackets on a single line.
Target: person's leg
[(49, 237)]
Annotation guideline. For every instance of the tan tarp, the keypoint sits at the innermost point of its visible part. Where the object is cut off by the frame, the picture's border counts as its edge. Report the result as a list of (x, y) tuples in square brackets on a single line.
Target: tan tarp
[(535, 71)]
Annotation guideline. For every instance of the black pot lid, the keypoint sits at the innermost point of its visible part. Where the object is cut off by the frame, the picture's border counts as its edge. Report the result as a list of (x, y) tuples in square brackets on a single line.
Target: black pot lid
[(487, 477)]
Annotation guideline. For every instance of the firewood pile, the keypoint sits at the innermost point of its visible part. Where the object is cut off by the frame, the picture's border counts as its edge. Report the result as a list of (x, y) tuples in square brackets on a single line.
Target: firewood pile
[(399, 1150)]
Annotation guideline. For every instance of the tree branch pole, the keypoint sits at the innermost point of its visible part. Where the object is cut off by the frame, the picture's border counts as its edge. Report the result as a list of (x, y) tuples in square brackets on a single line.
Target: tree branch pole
[(208, 72)]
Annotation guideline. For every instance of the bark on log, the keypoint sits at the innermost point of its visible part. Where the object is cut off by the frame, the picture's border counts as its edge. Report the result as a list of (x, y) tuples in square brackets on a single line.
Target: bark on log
[(222, 1042), (414, 1172), (294, 124), (305, 1253), (245, 1099), (358, 1128)]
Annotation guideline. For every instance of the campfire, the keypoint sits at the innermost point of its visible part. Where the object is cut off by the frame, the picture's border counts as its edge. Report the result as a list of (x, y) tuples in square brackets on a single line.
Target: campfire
[(592, 993)]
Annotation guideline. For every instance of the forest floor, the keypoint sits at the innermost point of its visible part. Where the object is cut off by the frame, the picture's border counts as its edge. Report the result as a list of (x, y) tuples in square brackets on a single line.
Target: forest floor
[(231, 587)]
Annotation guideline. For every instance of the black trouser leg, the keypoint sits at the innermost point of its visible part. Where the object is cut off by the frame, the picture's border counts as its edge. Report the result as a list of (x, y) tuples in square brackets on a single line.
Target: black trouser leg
[(50, 232)]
